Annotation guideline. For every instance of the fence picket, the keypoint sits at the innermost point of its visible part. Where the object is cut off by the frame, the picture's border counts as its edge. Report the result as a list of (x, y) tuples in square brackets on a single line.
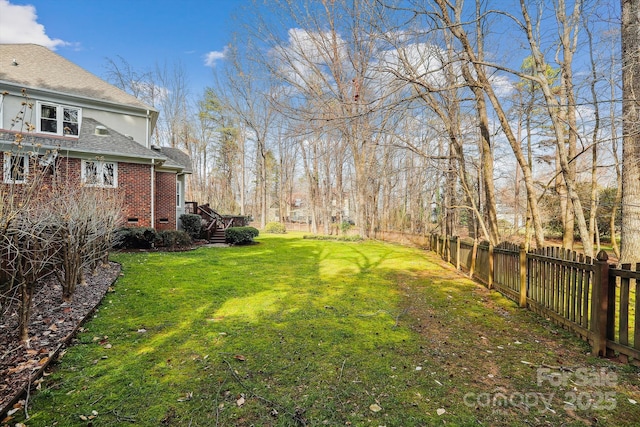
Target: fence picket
[(624, 307), (591, 298), (636, 330), (580, 318)]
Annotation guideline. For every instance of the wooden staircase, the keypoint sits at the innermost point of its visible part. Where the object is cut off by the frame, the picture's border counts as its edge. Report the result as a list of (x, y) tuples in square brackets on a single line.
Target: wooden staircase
[(215, 224), (217, 236)]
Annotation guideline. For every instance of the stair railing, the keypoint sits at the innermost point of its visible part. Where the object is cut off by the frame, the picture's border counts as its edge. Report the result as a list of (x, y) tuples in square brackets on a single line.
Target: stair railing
[(215, 219)]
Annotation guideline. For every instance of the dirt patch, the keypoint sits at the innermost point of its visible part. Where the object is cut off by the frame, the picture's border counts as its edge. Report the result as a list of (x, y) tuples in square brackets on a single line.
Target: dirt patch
[(53, 323)]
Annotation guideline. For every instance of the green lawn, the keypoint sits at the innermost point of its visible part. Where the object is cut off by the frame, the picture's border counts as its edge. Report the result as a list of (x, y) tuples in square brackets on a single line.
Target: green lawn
[(292, 331)]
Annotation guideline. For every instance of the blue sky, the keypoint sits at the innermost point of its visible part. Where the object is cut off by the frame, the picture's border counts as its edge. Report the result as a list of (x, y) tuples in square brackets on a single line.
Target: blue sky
[(143, 32)]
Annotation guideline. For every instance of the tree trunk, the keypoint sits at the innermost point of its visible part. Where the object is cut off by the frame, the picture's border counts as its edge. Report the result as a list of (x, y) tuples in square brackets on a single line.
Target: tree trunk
[(25, 309), (457, 30), (553, 107), (630, 234)]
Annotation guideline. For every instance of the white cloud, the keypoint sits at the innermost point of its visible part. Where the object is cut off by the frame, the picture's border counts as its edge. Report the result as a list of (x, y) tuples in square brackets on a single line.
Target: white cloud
[(423, 62), (502, 86), (19, 24), (305, 59), (215, 55)]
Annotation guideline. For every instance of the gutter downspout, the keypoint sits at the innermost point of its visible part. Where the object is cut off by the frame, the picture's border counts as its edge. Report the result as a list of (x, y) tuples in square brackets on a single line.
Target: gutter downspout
[(179, 208), (153, 194), (147, 136), (153, 175)]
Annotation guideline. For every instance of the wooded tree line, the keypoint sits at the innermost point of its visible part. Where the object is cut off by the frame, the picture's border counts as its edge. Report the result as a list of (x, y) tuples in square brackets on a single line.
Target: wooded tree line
[(492, 119)]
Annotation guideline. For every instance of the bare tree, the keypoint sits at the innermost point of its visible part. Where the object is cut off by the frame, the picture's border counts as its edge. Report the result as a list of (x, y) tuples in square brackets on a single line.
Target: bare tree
[(47, 223), (84, 219), (248, 95), (138, 83), (630, 233), (451, 18), (28, 241), (171, 84)]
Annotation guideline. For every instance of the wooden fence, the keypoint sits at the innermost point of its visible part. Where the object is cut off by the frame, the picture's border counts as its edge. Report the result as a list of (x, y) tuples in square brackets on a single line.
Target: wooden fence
[(594, 299)]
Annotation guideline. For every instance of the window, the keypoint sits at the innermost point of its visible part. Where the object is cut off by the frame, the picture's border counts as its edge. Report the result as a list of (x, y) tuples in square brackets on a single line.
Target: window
[(58, 119), (98, 173), (16, 168), (178, 193)]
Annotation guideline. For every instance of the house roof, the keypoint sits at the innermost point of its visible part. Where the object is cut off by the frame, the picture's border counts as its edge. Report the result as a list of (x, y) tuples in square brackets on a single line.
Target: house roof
[(35, 66), (94, 139), (112, 142), (179, 157)]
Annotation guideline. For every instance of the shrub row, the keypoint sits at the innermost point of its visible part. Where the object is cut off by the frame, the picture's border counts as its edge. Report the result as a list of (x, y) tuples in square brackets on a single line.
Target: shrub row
[(192, 224), (147, 238), (240, 235), (353, 238), (275, 228)]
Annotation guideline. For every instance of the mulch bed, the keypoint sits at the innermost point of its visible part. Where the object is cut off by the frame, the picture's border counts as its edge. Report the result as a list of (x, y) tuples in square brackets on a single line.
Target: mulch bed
[(53, 324)]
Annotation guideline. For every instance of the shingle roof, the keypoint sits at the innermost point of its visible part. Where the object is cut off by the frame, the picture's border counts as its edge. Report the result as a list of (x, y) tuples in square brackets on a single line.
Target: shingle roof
[(38, 67), (112, 143), (179, 157)]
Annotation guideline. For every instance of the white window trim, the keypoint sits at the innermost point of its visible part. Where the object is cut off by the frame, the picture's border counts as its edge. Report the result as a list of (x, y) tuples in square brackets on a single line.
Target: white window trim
[(59, 118), (99, 165), (179, 197), (7, 168)]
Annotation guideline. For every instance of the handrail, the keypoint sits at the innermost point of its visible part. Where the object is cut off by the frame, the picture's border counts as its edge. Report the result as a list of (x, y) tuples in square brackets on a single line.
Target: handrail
[(215, 217)]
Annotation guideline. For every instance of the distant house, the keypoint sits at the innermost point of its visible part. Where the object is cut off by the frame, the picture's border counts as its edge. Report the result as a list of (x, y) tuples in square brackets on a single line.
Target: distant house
[(100, 133)]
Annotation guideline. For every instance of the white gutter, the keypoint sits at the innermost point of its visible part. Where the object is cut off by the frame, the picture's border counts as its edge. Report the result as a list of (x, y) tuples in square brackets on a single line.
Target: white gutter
[(89, 101)]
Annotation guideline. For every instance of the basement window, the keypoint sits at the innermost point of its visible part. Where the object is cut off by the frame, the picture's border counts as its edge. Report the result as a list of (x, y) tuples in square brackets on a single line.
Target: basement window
[(132, 220), (164, 220)]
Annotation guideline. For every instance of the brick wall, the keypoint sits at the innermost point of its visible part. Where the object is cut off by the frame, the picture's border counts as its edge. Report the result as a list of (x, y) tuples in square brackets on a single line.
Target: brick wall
[(165, 201), (134, 181)]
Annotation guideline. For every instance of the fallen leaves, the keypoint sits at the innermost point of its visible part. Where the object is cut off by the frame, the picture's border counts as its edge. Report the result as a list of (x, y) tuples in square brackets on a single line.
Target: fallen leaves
[(240, 401), (17, 407), (186, 397), (375, 407), (93, 415), (51, 325)]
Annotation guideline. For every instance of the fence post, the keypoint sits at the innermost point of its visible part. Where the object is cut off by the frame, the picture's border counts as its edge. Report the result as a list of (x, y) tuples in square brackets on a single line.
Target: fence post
[(474, 254), (490, 279), (457, 252), (600, 304), (523, 276)]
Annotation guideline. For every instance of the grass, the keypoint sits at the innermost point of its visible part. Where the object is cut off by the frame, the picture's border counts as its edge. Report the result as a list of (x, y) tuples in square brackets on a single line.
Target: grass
[(293, 331)]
